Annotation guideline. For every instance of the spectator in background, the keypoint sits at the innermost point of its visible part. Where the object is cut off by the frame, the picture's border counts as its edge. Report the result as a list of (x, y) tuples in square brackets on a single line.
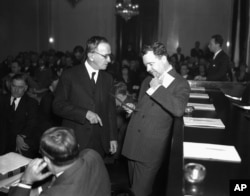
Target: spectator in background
[(78, 55), (179, 58), (220, 67), (15, 68), (196, 51), (19, 114), (184, 71)]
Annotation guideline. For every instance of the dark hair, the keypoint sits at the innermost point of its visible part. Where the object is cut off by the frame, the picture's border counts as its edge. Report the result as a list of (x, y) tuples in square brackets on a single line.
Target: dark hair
[(158, 49), (59, 145), (20, 76), (218, 39), (78, 48), (93, 43)]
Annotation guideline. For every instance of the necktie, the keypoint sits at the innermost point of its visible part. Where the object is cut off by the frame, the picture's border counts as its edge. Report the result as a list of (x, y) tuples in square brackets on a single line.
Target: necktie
[(92, 78), (13, 105)]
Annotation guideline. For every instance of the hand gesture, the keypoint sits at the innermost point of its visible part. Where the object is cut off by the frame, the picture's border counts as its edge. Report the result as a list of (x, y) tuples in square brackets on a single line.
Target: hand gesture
[(20, 144), (93, 118), (155, 82), (33, 172), (113, 146)]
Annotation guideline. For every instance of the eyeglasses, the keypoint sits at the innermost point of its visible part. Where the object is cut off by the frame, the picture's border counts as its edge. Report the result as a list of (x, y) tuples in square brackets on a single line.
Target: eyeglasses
[(106, 56)]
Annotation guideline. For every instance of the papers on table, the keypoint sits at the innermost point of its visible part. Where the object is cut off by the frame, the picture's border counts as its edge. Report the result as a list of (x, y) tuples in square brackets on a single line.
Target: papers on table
[(232, 97), (199, 95), (203, 123), (201, 106), (12, 161), (198, 89), (211, 152)]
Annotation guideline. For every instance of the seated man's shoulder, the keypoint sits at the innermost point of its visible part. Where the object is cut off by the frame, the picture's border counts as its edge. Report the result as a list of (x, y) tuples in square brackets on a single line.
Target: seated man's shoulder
[(90, 155)]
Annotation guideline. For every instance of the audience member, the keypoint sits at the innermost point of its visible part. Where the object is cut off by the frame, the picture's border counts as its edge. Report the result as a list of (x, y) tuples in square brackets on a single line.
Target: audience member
[(196, 51), (184, 71), (220, 68), (83, 98), (179, 58), (19, 115), (74, 173), (78, 55), (162, 98), (15, 68)]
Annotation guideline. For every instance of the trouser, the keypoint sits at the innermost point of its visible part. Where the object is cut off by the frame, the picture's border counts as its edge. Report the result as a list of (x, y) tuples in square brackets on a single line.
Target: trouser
[(142, 176)]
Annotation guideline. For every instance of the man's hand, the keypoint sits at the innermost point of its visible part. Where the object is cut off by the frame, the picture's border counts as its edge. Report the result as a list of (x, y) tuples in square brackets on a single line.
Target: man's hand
[(129, 108), (20, 144), (33, 172), (155, 82), (93, 118), (200, 78), (113, 146)]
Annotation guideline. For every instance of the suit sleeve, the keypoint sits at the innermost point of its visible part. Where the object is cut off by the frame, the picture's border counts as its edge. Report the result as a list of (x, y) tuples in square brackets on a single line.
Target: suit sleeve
[(112, 115), (18, 191), (62, 106), (32, 118), (174, 102)]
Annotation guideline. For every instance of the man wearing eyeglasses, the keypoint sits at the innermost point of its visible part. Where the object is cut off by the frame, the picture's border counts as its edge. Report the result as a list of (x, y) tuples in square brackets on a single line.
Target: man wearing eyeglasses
[(83, 99)]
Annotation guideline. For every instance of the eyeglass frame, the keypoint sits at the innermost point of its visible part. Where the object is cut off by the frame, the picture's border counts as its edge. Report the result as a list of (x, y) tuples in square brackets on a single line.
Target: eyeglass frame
[(104, 56)]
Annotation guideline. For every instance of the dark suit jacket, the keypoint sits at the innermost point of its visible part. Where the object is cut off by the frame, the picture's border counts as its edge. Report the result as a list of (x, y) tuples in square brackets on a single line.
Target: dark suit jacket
[(87, 177), (74, 96), (21, 122), (149, 128), (219, 68)]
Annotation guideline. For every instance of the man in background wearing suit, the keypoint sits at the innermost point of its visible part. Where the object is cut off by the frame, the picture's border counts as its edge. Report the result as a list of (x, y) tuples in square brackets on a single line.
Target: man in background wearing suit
[(19, 117), (73, 174), (162, 98), (220, 67), (83, 98)]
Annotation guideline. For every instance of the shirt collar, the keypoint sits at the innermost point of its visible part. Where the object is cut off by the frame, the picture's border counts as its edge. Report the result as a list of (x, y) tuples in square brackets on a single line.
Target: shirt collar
[(215, 54), (165, 72), (91, 70)]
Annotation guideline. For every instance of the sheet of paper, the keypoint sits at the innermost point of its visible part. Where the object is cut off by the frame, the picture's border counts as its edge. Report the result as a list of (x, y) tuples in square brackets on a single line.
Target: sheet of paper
[(198, 89), (199, 95), (232, 97), (201, 106), (212, 152), (12, 161), (203, 122)]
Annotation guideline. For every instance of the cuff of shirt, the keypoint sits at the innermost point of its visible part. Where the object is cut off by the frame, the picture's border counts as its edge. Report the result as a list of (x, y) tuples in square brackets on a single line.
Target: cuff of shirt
[(151, 91)]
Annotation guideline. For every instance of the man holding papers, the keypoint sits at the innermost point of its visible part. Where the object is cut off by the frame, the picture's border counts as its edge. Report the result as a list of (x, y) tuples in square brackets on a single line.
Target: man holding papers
[(162, 98)]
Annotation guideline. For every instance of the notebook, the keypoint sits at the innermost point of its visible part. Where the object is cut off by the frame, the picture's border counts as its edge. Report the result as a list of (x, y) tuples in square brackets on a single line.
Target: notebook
[(211, 152), (201, 106), (199, 95), (212, 123)]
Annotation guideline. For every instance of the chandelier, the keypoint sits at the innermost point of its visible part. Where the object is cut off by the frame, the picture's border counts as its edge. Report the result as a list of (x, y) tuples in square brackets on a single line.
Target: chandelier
[(126, 9)]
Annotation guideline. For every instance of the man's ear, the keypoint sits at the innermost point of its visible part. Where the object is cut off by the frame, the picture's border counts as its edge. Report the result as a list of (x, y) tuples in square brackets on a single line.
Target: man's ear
[(164, 59), (90, 56)]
